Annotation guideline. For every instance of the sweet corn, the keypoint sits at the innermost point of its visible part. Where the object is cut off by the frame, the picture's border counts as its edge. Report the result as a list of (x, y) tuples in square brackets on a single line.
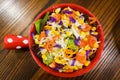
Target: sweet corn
[(36, 41), (81, 21), (44, 57), (83, 51), (93, 28), (68, 33), (87, 63), (87, 47), (86, 39), (95, 33), (96, 45), (83, 34), (77, 13), (47, 27), (80, 67), (55, 32), (57, 10)]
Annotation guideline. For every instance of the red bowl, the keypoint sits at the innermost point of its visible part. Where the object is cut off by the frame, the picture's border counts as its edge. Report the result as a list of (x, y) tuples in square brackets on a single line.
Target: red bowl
[(76, 73)]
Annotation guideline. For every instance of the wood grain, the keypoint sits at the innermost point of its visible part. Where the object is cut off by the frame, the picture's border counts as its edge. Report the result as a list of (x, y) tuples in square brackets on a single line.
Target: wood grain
[(16, 17)]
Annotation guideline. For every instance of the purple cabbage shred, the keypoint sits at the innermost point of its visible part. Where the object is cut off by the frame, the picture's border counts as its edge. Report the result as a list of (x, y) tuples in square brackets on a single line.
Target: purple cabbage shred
[(57, 45), (87, 53), (73, 62), (46, 32), (52, 19), (72, 19), (76, 41), (67, 12), (60, 23)]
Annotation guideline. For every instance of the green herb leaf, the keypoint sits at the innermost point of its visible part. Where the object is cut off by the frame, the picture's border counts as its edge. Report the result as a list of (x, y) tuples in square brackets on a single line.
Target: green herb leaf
[(38, 25), (44, 20)]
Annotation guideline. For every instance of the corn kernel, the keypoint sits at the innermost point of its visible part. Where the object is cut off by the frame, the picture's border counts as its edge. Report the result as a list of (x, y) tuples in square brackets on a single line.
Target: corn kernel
[(44, 57), (77, 13), (93, 28), (96, 45), (47, 27), (86, 39), (95, 33), (87, 63), (81, 21), (87, 47), (83, 51), (79, 67), (83, 34), (57, 10), (68, 33), (36, 41)]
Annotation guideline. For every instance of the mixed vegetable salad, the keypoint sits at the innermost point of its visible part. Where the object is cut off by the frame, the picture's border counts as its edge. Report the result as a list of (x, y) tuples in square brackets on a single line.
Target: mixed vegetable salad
[(66, 39)]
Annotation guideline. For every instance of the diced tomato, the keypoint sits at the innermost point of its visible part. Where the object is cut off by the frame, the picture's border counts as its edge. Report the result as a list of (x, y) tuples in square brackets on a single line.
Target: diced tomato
[(81, 58)]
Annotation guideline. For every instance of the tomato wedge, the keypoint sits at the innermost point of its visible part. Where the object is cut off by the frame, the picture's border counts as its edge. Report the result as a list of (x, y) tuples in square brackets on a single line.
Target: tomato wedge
[(91, 40), (81, 58), (87, 28)]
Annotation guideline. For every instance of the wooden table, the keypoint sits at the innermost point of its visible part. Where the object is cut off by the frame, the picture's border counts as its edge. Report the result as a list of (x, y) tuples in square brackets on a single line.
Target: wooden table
[(16, 17)]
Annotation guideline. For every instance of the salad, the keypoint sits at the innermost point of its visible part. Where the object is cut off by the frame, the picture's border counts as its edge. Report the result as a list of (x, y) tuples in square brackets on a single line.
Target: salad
[(66, 39)]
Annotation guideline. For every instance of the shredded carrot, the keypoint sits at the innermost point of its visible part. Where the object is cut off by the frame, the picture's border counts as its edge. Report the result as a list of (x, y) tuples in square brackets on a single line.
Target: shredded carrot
[(87, 28), (42, 35), (72, 15), (93, 20), (55, 37), (57, 17), (49, 45)]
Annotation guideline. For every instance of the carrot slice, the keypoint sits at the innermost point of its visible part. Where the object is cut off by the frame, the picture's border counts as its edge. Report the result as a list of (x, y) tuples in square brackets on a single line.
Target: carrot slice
[(91, 40), (87, 28), (81, 58)]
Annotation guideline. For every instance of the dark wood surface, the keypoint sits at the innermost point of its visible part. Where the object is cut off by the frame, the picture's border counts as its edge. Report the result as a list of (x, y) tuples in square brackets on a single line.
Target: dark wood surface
[(16, 17)]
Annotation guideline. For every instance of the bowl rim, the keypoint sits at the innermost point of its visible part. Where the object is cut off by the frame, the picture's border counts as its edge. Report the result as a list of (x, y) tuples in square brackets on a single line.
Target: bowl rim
[(76, 73)]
